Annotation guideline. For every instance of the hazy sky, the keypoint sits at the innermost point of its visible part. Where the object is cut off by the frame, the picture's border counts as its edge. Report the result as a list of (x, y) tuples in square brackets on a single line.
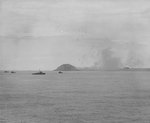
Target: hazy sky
[(98, 33)]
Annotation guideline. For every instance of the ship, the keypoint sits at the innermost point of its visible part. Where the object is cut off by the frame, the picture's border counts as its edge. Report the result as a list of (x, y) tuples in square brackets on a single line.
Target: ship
[(39, 73), (60, 72), (6, 71), (13, 72)]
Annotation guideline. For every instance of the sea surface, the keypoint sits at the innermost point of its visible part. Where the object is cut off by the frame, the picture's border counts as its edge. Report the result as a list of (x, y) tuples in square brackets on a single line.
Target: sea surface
[(75, 97)]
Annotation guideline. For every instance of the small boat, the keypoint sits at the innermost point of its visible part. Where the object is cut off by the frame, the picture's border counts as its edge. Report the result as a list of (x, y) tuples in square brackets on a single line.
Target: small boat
[(13, 72), (60, 72), (39, 73), (6, 71)]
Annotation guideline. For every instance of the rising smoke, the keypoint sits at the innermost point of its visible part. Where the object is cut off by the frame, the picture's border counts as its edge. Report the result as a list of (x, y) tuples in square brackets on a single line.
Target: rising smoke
[(80, 33), (109, 61)]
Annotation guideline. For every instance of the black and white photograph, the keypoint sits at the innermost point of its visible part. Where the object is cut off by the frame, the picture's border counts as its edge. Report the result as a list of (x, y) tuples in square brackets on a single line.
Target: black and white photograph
[(74, 61)]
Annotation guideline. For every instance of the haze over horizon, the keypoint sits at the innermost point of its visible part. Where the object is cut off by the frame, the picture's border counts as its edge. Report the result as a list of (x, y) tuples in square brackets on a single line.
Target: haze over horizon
[(99, 33)]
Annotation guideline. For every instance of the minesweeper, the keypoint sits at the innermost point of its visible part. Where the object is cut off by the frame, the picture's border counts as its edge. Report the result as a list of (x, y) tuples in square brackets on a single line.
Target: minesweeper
[(39, 73)]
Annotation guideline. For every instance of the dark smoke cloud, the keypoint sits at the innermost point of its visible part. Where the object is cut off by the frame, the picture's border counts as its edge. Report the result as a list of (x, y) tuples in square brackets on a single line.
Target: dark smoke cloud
[(97, 33), (109, 61), (119, 55)]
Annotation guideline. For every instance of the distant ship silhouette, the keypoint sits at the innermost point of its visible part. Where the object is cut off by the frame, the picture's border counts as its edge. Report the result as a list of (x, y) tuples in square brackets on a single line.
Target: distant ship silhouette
[(39, 73), (60, 72), (13, 72), (6, 71)]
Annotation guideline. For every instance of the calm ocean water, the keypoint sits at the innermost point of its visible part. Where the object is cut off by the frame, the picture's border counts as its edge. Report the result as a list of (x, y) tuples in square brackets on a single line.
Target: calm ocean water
[(75, 97)]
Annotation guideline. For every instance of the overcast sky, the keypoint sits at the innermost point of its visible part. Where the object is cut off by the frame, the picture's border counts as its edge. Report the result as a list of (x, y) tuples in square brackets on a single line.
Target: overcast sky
[(43, 34)]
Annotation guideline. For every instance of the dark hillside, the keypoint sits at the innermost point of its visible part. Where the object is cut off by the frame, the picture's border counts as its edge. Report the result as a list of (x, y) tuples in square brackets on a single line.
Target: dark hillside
[(66, 67)]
